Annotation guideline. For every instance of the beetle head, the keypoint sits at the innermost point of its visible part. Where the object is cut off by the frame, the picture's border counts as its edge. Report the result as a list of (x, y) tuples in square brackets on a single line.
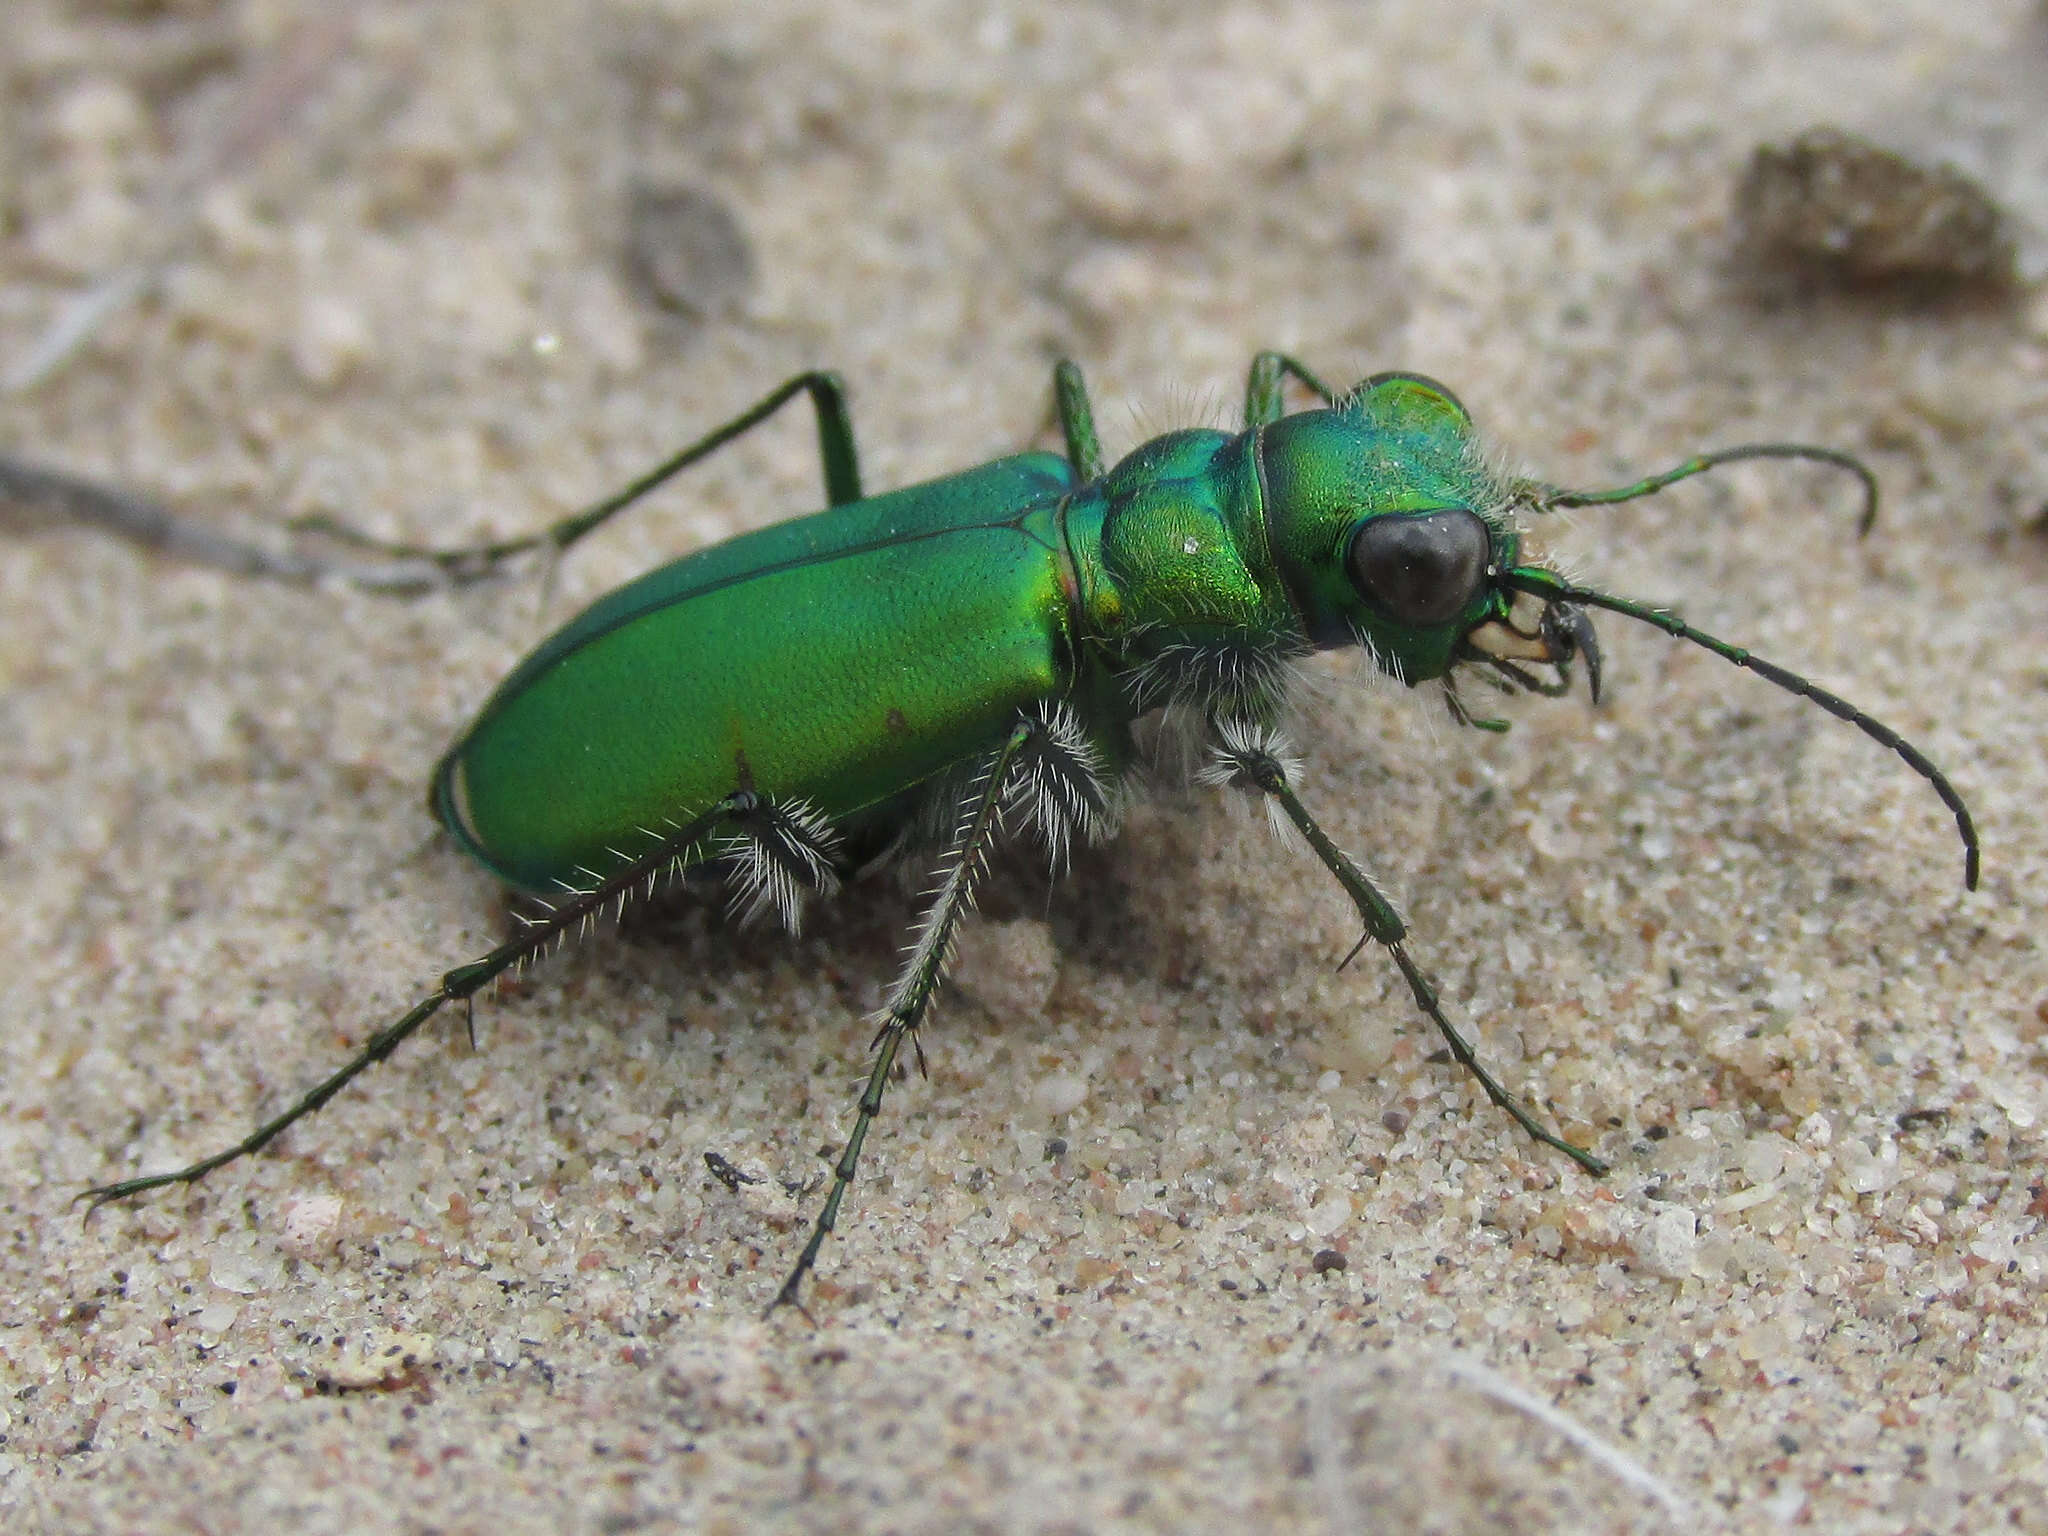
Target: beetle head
[(1394, 534)]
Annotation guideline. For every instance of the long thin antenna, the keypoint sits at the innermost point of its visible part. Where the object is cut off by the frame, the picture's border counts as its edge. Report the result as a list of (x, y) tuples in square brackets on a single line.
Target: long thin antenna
[(1554, 588), (1546, 498)]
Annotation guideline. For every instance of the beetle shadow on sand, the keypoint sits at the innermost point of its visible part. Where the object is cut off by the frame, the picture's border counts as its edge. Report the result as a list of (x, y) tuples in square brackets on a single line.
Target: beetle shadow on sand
[(1099, 916)]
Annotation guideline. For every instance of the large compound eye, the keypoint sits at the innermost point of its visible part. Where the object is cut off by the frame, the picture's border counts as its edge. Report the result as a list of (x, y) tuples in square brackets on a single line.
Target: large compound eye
[(1419, 568)]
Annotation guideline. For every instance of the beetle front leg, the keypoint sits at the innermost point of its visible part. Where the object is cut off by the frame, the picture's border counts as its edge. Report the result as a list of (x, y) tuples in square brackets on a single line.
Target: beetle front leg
[(1257, 757), (959, 874)]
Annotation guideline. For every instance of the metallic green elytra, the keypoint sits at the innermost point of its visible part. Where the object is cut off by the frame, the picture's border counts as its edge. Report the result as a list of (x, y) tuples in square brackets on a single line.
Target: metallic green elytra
[(908, 676), (838, 660)]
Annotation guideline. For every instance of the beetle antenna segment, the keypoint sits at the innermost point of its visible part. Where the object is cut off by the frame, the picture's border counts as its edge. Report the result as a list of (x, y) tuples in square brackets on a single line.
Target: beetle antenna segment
[(1258, 757), (1553, 588), (960, 872), (1539, 497), (534, 938)]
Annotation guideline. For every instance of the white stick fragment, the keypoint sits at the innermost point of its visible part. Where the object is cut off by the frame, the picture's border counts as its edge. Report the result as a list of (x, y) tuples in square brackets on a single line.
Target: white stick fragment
[(1625, 1468)]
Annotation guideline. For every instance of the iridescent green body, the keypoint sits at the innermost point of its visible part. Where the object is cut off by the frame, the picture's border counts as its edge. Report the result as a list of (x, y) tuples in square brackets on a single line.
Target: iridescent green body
[(909, 674), (841, 658), (847, 658)]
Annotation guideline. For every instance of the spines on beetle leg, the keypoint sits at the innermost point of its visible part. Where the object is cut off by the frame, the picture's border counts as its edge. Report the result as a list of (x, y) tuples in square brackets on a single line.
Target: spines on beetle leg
[(677, 851), (1242, 743), (1061, 788), (774, 855), (778, 856), (924, 966), (930, 950)]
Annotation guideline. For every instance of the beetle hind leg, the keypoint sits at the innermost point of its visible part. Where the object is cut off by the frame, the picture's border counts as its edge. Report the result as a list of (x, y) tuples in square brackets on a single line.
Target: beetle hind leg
[(669, 854), (777, 854), (839, 462)]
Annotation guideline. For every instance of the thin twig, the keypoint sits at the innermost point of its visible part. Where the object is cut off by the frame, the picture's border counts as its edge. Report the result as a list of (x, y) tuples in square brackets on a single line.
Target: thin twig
[(153, 526)]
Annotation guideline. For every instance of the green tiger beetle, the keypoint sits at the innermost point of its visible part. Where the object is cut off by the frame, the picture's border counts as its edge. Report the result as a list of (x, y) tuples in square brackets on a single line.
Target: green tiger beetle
[(903, 677)]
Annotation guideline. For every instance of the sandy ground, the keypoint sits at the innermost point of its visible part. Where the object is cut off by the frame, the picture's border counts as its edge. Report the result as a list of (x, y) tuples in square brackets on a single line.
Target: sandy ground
[(1705, 926)]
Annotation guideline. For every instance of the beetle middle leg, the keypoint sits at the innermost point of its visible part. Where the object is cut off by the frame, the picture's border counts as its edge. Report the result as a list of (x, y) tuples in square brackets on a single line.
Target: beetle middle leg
[(1257, 757), (1033, 744)]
